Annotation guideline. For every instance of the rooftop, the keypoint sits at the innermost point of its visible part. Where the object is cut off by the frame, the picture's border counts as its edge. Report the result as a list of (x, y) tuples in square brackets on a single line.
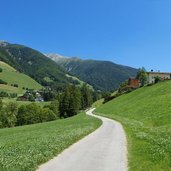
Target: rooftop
[(158, 72)]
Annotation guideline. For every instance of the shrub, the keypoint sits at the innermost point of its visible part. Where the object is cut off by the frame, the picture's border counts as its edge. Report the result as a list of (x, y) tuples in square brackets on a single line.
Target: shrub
[(32, 113), (157, 79), (3, 94), (8, 115), (3, 82), (29, 114), (15, 85), (54, 107), (13, 95), (47, 115)]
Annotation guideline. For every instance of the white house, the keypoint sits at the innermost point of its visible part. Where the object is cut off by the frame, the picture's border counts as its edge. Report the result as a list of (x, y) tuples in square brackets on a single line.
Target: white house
[(161, 75)]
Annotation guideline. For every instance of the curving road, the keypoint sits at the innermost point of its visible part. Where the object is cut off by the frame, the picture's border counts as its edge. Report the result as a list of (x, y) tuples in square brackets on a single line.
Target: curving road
[(103, 150)]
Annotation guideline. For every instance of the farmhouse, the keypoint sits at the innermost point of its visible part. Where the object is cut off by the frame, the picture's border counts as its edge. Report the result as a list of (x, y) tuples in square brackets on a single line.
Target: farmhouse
[(133, 83), (160, 75)]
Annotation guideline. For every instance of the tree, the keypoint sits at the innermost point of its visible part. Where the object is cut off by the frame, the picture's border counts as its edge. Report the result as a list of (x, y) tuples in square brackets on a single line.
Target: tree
[(74, 101), (70, 102), (29, 114), (47, 115), (21, 116), (142, 76), (157, 79), (54, 107), (86, 100), (64, 103), (8, 115)]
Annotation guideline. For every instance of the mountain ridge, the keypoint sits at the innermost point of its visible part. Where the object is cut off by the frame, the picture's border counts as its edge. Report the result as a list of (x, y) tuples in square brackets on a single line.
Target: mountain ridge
[(33, 63), (102, 75), (52, 69)]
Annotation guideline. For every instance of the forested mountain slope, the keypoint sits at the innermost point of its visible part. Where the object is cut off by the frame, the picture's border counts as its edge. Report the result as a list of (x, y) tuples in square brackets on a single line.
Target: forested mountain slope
[(102, 75), (33, 63)]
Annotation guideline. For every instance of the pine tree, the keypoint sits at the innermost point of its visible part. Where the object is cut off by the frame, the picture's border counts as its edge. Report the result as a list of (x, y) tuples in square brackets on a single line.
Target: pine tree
[(75, 100), (64, 103), (86, 97)]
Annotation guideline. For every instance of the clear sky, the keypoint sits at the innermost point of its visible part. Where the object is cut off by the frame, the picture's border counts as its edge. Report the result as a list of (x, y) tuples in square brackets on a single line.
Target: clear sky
[(131, 32)]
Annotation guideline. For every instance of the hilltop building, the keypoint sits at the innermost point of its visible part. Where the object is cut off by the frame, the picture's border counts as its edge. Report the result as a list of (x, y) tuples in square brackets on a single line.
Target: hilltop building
[(133, 83), (160, 75)]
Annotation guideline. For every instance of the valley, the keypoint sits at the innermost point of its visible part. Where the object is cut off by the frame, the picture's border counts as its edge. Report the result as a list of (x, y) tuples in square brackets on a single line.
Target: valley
[(41, 101)]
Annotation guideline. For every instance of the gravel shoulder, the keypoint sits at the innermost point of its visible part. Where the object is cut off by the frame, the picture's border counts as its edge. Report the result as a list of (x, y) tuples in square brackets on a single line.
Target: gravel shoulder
[(103, 150)]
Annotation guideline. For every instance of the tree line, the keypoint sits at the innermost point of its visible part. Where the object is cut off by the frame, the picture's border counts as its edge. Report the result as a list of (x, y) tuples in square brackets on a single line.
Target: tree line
[(65, 104)]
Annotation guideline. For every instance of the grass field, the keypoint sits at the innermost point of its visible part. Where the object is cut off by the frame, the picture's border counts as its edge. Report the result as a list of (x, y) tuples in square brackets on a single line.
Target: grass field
[(24, 148), (11, 76), (98, 103), (146, 117)]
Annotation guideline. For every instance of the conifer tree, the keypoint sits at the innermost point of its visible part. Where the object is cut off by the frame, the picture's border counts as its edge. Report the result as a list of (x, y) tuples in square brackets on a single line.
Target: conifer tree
[(64, 103), (86, 97)]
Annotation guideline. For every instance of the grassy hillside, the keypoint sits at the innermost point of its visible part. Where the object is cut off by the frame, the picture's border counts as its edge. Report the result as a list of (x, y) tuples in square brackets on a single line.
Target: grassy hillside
[(80, 83), (26, 147), (11, 76), (98, 103), (146, 117), (34, 64)]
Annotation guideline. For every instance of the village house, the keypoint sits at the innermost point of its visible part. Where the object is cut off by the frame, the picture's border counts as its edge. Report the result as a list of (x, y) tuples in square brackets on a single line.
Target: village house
[(161, 75), (133, 83), (31, 95)]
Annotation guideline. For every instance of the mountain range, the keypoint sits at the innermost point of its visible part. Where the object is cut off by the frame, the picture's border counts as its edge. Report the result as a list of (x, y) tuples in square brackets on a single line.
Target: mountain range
[(57, 70), (102, 75)]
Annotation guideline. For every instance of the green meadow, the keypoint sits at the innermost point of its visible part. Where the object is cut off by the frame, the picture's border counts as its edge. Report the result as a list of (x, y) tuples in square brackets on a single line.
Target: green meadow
[(11, 76), (146, 117), (98, 103), (26, 147)]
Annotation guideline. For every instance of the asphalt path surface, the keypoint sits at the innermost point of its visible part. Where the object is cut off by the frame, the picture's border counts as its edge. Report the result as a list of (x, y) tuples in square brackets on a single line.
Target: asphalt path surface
[(103, 150)]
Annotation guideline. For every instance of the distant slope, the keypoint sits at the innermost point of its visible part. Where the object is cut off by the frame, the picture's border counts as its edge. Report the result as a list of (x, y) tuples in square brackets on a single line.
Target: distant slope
[(12, 76), (33, 63), (80, 82), (102, 75), (146, 116)]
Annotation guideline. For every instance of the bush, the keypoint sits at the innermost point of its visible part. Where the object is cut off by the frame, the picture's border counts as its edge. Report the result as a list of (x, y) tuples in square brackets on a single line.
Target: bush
[(15, 85), (157, 79), (29, 114), (3, 82), (32, 113), (1, 70), (3, 94), (47, 115), (11, 115), (8, 115), (54, 107)]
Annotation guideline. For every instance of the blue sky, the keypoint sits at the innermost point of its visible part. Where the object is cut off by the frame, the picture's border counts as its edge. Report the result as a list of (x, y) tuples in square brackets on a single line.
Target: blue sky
[(131, 32)]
